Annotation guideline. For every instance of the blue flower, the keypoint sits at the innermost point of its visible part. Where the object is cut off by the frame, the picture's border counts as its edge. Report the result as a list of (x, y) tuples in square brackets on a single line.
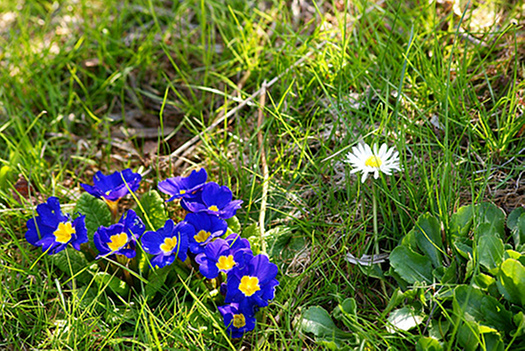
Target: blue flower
[(113, 187), (222, 255), (215, 200), (120, 238), (253, 285), (207, 227), (237, 323), (183, 187), (53, 230), (168, 243)]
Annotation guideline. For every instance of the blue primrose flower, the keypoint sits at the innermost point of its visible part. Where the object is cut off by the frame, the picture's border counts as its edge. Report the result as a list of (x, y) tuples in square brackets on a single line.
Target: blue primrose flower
[(215, 200), (53, 231), (253, 285), (222, 255), (120, 238), (183, 187), (168, 243), (237, 323), (207, 227), (113, 187)]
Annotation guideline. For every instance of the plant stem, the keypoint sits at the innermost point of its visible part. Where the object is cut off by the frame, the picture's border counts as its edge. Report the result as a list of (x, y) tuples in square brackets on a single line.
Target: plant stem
[(374, 209)]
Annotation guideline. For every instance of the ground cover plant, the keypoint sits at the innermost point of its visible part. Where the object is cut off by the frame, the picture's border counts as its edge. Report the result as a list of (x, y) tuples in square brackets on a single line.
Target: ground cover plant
[(269, 98)]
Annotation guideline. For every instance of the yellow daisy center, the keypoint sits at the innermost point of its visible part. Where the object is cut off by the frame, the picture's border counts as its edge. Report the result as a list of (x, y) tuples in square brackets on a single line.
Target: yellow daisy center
[(202, 236), (225, 263), (64, 232), (249, 285), (238, 320), (373, 161), (117, 241), (169, 244), (213, 208)]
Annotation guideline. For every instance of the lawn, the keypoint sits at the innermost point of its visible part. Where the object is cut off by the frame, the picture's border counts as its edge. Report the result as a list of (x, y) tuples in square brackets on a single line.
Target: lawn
[(269, 97)]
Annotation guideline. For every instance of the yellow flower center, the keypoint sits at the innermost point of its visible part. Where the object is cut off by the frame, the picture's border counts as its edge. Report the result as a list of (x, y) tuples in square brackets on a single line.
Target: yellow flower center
[(64, 232), (225, 263), (238, 320), (182, 192), (373, 161), (169, 244), (249, 285), (202, 236), (117, 241), (213, 208)]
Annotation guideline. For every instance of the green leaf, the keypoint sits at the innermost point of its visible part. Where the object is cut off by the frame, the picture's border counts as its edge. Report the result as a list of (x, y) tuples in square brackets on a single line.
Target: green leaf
[(469, 335), (428, 237), (491, 214), (518, 232), (234, 225), (512, 220), (490, 249), (154, 209), (156, 280), (428, 344), (411, 266), (348, 307), (405, 318), (317, 321), (73, 263), (474, 305), (97, 214), (461, 221), (511, 281), (116, 285)]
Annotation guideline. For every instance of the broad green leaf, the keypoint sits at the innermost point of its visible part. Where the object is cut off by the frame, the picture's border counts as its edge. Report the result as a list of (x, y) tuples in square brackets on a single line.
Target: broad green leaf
[(469, 335), (487, 212), (475, 305), (156, 280), (116, 285), (446, 275), (411, 266), (511, 281), (234, 225), (348, 307), (438, 329), (461, 221), (73, 263), (428, 344), (404, 318), (490, 249), (283, 245), (428, 237), (512, 220), (154, 209), (317, 321), (463, 247), (519, 321), (97, 214), (518, 232)]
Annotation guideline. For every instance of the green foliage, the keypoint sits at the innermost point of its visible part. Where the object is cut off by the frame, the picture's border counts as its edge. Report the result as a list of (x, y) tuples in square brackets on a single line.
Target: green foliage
[(152, 209), (97, 214), (477, 288)]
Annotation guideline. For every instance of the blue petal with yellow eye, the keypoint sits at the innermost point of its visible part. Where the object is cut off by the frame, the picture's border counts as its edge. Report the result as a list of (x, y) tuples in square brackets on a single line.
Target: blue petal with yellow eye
[(53, 231), (120, 238), (207, 227), (168, 243), (183, 187), (253, 285), (215, 200), (237, 321), (222, 255), (115, 186)]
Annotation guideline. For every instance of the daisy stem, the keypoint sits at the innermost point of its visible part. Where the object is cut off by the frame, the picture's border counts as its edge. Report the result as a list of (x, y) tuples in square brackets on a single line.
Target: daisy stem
[(374, 209)]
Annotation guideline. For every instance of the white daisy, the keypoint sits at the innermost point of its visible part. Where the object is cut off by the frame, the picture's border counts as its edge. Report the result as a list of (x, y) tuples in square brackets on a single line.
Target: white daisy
[(362, 158)]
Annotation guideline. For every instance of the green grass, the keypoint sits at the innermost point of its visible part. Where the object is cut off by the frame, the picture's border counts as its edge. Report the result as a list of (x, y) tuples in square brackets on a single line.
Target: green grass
[(80, 79)]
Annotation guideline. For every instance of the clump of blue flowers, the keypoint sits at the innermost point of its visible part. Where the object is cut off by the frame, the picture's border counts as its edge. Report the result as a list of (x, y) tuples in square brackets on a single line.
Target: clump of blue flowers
[(202, 240)]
